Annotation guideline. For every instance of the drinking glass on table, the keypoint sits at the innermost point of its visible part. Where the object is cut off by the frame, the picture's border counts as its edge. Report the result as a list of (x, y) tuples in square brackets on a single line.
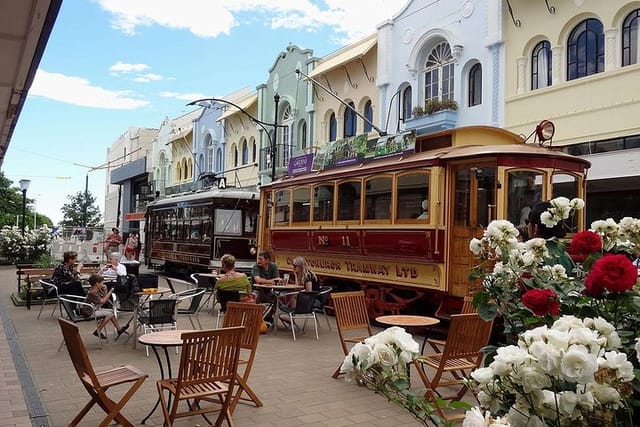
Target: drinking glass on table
[(285, 278)]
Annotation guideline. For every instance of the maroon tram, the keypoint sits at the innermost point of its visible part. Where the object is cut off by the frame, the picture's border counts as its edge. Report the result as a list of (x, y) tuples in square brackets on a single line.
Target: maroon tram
[(398, 224)]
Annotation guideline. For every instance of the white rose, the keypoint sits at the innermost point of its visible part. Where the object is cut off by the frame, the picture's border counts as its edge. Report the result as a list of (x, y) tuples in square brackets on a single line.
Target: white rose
[(558, 339), (577, 203), (586, 400), (482, 375), (585, 336), (487, 401), (548, 357), (547, 219), (404, 340), (578, 366), (474, 418), (512, 355), (619, 362), (385, 354), (532, 378), (567, 401), (475, 246), (604, 394)]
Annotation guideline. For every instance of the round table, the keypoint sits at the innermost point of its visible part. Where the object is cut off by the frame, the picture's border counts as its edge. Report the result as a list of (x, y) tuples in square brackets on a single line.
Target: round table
[(163, 340), (277, 290), (409, 321)]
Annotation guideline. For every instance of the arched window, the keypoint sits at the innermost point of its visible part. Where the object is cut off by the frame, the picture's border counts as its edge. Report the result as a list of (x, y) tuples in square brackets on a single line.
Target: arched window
[(585, 54), (541, 65), (210, 150), (368, 114), (438, 74), (245, 152), (475, 85), (350, 120), (235, 155), (303, 135), (254, 150), (333, 127), (630, 39), (407, 108), (218, 160)]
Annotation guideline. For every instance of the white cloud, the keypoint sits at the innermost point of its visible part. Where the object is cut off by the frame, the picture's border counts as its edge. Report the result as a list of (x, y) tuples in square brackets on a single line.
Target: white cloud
[(183, 96), (122, 67), (79, 91), (351, 19), (149, 77)]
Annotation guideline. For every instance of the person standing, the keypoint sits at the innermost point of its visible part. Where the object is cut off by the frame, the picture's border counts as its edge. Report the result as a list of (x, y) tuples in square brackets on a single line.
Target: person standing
[(113, 241), (131, 247)]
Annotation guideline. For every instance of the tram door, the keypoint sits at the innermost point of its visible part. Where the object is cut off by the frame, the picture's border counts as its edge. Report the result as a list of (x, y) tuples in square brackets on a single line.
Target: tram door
[(473, 207)]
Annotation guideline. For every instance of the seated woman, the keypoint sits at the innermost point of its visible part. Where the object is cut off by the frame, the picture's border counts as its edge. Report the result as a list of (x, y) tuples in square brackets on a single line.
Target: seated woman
[(231, 283), (66, 275), (98, 296)]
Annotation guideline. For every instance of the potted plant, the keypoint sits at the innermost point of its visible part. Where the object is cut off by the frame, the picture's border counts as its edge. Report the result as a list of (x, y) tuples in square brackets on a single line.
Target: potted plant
[(435, 105)]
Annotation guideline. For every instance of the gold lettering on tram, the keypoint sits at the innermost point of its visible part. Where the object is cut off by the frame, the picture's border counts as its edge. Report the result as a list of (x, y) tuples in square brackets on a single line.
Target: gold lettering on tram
[(403, 273)]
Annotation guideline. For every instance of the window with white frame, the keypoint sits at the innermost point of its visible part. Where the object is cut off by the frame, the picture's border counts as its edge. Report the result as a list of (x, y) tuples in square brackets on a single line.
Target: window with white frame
[(368, 114), (439, 74), (541, 65), (350, 121), (585, 54), (475, 85), (407, 108), (630, 39)]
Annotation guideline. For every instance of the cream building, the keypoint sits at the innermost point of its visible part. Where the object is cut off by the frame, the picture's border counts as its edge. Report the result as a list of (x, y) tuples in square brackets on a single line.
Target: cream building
[(576, 64)]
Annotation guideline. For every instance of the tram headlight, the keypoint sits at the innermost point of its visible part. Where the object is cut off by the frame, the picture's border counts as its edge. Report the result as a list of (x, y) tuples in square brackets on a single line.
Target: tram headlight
[(545, 130)]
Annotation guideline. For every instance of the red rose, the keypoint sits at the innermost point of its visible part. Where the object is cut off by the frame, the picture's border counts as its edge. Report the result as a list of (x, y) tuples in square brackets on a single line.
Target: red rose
[(583, 244), (615, 273), (541, 301)]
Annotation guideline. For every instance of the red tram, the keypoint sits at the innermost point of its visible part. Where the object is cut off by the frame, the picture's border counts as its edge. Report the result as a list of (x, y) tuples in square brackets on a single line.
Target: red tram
[(398, 224)]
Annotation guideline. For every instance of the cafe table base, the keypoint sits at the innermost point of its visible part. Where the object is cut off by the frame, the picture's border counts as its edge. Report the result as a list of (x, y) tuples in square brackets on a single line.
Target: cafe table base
[(277, 291)]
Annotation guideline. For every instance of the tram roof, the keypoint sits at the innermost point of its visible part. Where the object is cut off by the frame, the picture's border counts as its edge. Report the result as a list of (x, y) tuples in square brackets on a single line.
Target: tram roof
[(206, 195), (434, 158)]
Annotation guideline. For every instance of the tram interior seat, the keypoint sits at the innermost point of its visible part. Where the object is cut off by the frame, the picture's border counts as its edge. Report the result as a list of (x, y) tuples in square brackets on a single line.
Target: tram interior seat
[(448, 305)]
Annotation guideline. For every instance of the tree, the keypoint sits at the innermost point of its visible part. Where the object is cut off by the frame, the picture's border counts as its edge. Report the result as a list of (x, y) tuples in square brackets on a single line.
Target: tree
[(74, 210), (11, 206)]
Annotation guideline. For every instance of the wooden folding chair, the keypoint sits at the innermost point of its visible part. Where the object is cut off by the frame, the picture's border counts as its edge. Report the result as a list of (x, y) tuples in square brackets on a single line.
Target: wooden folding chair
[(351, 318), (97, 383), (207, 373), (468, 334), (249, 316)]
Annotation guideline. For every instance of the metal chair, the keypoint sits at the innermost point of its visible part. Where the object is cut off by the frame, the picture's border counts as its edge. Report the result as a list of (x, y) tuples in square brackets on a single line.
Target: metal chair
[(207, 374), (50, 295), (157, 315), (194, 296), (209, 284), (303, 310), (97, 383), (72, 306), (320, 303)]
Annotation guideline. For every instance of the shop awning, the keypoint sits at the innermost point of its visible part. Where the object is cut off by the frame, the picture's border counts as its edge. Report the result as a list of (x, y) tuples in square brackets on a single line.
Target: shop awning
[(134, 216), (243, 103), (344, 56)]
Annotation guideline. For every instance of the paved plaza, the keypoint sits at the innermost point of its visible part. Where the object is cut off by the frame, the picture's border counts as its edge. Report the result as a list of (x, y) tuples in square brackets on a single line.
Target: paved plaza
[(39, 387)]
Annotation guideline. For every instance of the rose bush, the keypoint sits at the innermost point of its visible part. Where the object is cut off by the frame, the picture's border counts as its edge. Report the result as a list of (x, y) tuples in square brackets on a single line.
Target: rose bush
[(29, 248), (545, 376)]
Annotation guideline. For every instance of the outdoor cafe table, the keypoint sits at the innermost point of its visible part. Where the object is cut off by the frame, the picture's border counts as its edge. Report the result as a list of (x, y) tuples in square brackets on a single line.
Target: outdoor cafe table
[(148, 293), (163, 340), (277, 290), (409, 321)]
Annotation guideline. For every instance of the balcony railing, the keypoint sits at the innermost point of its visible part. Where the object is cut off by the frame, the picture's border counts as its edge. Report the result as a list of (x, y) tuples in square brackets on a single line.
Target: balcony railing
[(429, 123), (284, 152)]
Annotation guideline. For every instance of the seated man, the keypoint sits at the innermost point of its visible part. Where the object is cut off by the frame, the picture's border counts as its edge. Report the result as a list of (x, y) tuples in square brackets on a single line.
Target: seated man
[(66, 275), (265, 272), (113, 269)]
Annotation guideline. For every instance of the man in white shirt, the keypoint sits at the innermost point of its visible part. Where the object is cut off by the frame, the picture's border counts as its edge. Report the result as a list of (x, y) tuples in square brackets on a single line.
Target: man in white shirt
[(113, 268)]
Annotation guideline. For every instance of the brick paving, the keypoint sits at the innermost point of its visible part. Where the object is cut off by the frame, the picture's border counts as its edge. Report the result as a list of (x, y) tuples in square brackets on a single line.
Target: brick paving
[(293, 379)]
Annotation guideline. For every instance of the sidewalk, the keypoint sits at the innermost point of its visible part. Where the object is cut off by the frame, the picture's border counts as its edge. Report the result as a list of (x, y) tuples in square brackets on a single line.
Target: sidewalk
[(293, 379)]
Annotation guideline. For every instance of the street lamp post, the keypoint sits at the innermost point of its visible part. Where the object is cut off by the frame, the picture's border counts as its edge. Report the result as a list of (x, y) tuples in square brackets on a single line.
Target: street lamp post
[(24, 186), (276, 101), (272, 141)]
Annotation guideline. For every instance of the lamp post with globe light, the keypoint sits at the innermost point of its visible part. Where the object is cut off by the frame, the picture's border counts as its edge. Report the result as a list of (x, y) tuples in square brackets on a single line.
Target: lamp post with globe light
[(24, 186)]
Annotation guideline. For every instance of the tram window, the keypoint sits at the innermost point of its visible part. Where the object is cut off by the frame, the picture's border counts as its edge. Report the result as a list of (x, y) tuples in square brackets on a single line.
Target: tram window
[(566, 185), (323, 203), (378, 198), (486, 196), (206, 224), (228, 221), (301, 204), (349, 201), (282, 207), (523, 191), (412, 199), (462, 198)]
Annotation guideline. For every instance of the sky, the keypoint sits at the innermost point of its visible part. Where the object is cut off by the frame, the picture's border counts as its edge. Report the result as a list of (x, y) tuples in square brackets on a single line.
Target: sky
[(113, 64)]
